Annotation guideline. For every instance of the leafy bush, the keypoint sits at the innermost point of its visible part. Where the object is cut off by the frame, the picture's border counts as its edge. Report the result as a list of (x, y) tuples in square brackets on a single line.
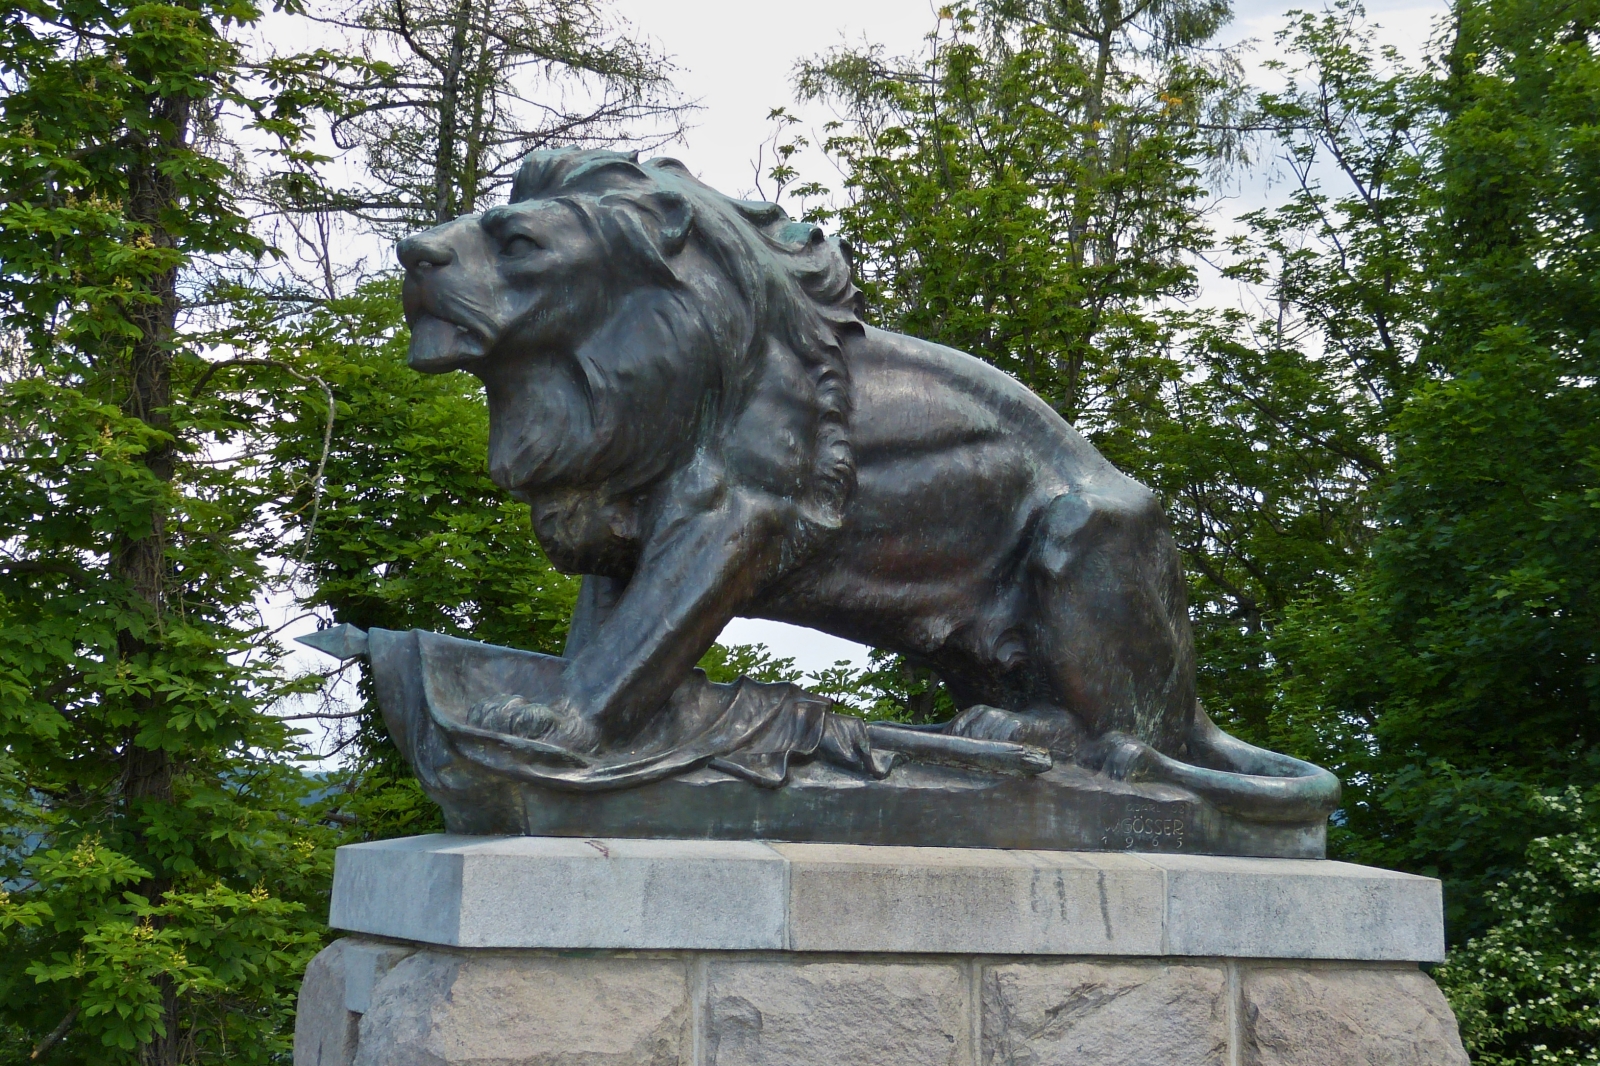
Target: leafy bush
[(1527, 992)]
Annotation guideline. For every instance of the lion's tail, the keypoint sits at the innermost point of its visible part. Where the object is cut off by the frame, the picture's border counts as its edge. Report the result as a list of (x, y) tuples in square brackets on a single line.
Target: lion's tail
[(1236, 777)]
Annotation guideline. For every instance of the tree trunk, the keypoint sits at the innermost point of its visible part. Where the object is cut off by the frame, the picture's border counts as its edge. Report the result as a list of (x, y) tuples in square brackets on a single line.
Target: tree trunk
[(444, 166), (141, 560)]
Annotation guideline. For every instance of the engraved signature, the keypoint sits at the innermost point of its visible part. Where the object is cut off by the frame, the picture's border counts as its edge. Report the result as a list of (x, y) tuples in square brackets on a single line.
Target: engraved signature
[(1143, 825)]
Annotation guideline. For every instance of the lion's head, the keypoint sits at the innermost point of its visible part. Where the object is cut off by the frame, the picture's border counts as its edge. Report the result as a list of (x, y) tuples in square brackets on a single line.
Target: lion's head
[(623, 314)]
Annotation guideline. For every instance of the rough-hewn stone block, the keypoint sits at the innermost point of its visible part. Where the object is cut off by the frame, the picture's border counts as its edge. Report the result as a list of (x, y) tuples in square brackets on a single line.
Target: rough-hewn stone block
[(1096, 1013), (366, 962), (537, 1008), (324, 1030), (787, 1013), (1333, 1016), (445, 1009)]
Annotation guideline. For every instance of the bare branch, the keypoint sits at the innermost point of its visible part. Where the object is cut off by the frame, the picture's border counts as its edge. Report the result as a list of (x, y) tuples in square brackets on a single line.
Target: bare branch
[(42, 1048), (327, 434)]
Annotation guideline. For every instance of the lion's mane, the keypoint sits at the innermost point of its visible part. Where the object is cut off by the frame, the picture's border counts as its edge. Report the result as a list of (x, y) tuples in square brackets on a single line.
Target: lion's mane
[(795, 282)]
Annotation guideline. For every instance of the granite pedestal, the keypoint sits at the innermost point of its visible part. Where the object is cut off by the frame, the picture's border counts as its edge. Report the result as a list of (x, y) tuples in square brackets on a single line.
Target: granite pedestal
[(527, 950)]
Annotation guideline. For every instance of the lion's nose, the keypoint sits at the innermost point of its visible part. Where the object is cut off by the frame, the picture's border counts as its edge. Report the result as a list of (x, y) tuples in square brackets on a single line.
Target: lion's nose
[(421, 251)]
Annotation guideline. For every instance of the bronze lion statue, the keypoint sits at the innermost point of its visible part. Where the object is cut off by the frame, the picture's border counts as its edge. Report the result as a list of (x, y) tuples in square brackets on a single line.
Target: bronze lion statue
[(683, 388)]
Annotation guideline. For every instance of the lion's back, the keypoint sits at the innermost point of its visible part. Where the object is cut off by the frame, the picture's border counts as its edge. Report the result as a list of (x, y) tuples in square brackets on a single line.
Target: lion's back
[(916, 397)]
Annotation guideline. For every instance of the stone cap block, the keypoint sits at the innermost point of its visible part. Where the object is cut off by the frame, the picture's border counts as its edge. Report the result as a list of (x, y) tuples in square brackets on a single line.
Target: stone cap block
[(562, 892), (559, 892)]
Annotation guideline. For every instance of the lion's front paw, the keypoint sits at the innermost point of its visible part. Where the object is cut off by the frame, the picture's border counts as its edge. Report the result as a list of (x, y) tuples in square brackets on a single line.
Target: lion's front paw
[(523, 718)]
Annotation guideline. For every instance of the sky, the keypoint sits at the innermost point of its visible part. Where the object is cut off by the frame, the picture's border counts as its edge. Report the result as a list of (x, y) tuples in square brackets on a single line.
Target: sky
[(736, 59)]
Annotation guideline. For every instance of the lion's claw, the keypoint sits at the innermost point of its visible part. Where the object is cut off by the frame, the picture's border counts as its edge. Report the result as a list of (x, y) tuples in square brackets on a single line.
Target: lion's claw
[(521, 717)]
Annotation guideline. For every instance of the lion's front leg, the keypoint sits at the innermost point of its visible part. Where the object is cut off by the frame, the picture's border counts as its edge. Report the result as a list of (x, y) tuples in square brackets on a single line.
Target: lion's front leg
[(597, 598), (552, 719), (695, 573)]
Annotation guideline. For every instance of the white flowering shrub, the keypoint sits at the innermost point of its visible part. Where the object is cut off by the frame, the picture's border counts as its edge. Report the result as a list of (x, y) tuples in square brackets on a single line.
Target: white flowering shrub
[(1527, 992)]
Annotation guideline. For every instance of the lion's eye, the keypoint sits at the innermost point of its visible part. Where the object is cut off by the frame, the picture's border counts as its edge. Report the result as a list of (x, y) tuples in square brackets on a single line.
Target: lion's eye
[(520, 245)]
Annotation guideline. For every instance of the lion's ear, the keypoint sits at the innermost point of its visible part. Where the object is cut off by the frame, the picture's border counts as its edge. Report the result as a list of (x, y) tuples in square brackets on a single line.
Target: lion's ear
[(676, 215)]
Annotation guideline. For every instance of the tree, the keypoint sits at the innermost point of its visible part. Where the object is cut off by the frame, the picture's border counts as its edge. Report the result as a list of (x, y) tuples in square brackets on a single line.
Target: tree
[(431, 105), (449, 95), (1030, 189), (1457, 675), (157, 862), (1271, 439), (392, 519)]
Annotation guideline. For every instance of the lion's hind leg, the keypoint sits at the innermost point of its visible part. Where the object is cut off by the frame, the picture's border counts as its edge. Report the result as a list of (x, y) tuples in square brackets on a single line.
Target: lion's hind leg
[(1109, 635)]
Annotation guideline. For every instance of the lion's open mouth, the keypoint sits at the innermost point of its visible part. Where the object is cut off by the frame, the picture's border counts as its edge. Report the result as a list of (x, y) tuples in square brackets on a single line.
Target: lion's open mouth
[(438, 345)]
